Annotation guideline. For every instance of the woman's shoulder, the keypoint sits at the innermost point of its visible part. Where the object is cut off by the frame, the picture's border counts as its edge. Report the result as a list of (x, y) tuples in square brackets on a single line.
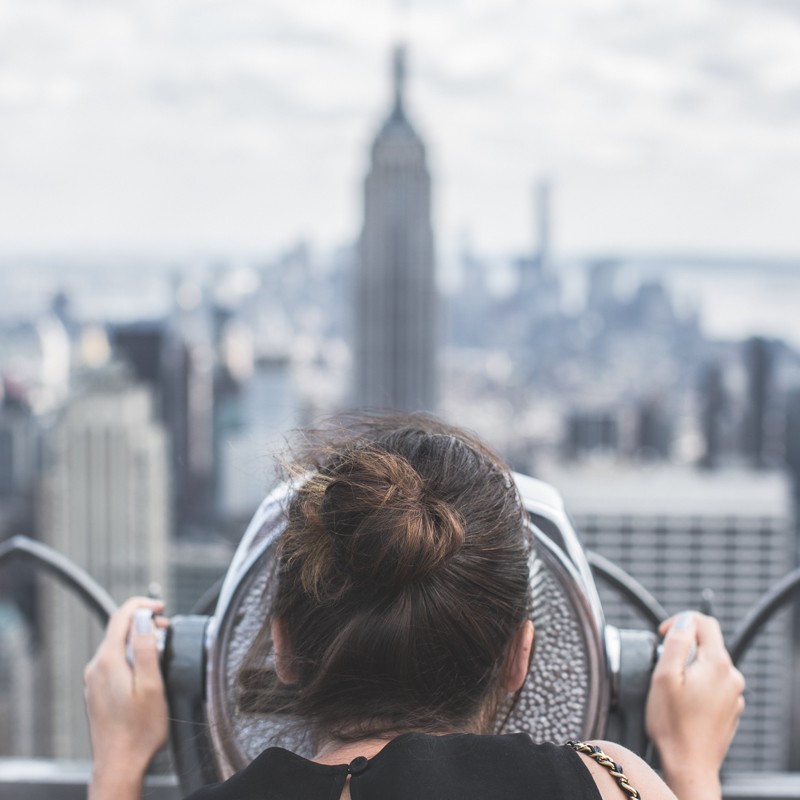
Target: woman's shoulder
[(554, 769), (605, 760)]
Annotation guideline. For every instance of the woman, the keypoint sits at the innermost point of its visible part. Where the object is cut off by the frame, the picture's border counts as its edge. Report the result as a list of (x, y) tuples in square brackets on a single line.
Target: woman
[(401, 624)]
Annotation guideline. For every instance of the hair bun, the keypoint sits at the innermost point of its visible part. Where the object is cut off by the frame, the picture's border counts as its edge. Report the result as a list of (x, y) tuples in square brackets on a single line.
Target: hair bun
[(376, 525)]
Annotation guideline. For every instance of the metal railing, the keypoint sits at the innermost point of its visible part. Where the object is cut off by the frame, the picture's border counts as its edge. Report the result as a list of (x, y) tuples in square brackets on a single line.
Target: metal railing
[(37, 779), (45, 779)]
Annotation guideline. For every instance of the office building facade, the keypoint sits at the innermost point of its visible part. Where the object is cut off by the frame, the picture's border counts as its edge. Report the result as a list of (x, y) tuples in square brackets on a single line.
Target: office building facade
[(105, 505), (680, 532)]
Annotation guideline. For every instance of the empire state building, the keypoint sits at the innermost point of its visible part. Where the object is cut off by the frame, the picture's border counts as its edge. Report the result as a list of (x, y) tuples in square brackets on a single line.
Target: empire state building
[(395, 282)]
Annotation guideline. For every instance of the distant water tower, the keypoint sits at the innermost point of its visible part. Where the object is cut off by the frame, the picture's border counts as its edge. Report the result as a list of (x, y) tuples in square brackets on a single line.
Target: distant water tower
[(396, 341)]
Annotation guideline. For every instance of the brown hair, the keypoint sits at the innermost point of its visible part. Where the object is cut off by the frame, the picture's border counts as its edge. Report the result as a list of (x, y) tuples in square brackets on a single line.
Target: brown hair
[(402, 580)]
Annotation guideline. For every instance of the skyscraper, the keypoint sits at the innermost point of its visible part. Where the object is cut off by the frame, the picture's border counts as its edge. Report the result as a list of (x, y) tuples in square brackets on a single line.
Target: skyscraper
[(105, 505), (759, 358), (679, 531), (542, 199), (396, 335)]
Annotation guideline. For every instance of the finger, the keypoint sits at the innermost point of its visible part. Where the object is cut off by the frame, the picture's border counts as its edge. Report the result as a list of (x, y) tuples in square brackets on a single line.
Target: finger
[(678, 645), (709, 637), (120, 622), (666, 624), (146, 662)]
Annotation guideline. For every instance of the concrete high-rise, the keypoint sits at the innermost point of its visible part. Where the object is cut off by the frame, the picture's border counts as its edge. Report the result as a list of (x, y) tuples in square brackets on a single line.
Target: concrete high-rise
[(759, 360), (396, 335), (105, 505), (679, 531)]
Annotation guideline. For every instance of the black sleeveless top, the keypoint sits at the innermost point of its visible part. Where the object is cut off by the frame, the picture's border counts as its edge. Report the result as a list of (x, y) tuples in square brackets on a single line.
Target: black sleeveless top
[(418, 766)]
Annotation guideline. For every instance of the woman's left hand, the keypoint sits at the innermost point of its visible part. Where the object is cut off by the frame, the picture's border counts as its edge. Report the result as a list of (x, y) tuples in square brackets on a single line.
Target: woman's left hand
[(695, 701), (126, 704)]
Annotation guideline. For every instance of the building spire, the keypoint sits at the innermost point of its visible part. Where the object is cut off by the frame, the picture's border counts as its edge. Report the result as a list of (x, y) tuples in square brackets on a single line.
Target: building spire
[(399, 70)]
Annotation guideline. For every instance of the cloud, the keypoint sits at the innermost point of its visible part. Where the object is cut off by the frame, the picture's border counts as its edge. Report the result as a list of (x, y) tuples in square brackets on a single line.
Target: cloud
[(605, 95)]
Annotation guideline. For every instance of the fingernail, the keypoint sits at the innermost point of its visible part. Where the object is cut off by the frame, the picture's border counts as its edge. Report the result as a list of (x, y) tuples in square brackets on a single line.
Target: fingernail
[(684, 621), (143, 620)]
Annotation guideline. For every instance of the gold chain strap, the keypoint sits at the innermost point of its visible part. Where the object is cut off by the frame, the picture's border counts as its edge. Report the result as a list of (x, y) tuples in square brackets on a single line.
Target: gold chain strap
[(593, 751)]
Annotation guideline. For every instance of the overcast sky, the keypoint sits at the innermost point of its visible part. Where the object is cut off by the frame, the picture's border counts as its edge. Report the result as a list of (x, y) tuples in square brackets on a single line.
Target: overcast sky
[(173, 125)]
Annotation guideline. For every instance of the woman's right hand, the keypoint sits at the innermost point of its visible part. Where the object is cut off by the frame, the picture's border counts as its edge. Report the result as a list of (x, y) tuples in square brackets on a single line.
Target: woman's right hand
[(694, 704), (125, 704)]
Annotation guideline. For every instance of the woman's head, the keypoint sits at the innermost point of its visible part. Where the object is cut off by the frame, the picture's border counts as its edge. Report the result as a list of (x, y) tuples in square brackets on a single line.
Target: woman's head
[(402, 581)]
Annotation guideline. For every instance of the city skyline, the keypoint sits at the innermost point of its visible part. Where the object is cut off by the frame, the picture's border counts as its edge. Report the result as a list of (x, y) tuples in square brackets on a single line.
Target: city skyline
[(192, 127)]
